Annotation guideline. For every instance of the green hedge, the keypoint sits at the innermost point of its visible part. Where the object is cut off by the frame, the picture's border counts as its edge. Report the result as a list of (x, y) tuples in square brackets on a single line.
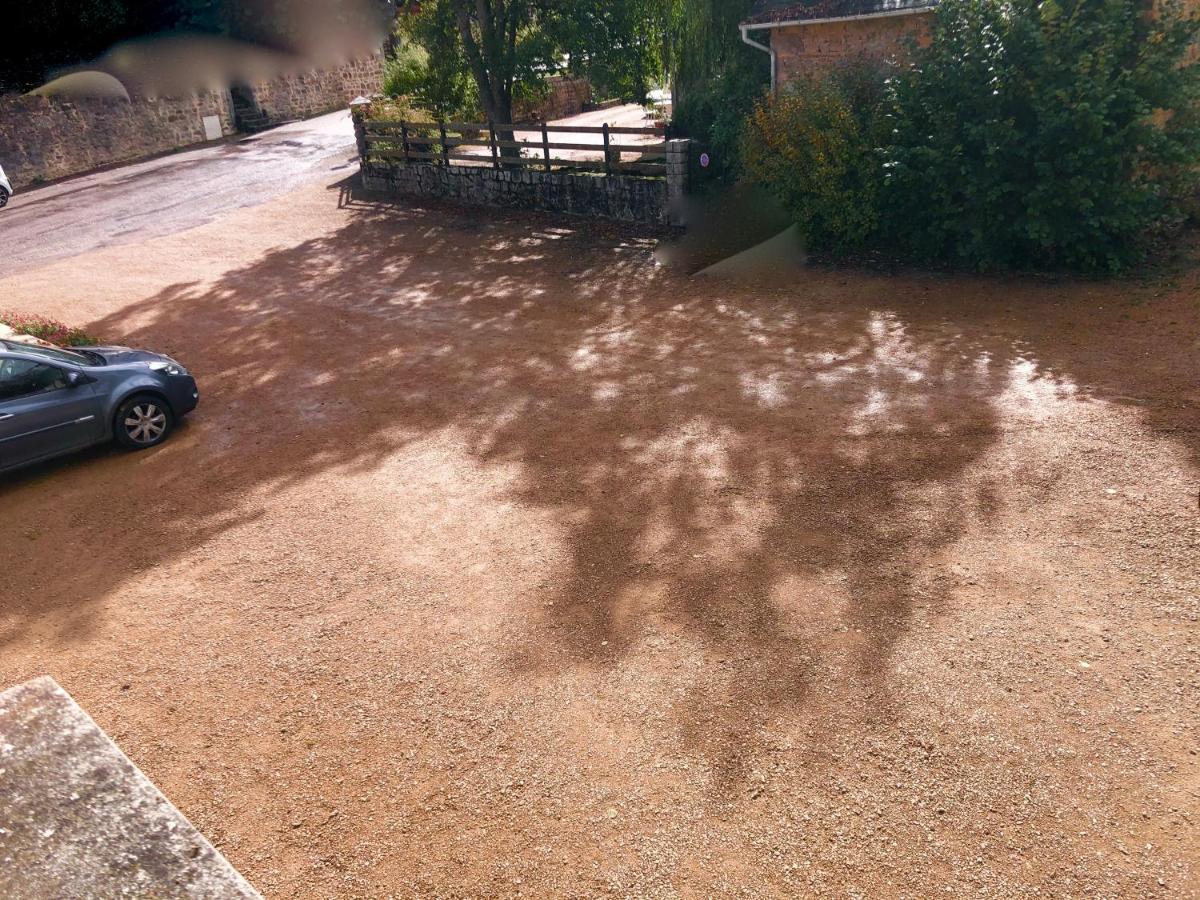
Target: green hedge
[(1026, 135)]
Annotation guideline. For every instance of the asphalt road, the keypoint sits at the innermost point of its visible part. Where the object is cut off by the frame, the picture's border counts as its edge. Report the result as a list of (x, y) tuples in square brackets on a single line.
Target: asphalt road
[(171, 193)]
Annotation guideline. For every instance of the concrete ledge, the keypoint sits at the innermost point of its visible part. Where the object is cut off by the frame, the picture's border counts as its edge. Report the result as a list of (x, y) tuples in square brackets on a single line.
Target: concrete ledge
[(79, 820)]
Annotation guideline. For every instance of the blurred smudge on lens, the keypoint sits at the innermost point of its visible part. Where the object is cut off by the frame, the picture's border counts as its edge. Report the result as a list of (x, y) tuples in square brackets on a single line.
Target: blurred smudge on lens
[(265, 39), (79, 85), (723, 225)]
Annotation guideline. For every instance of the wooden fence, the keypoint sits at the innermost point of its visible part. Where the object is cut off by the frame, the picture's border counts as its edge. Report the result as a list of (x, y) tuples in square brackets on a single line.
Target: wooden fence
[(439, 143)]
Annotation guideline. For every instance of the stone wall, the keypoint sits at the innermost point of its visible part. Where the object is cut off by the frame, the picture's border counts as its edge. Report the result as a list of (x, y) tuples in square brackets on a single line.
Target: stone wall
[(306, 94), (619, 197), (803, 49), (566, 96), (42, 139)]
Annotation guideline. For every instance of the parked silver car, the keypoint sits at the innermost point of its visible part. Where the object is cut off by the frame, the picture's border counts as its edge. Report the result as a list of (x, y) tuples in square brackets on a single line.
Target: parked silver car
[(55, 401), (5, 189)]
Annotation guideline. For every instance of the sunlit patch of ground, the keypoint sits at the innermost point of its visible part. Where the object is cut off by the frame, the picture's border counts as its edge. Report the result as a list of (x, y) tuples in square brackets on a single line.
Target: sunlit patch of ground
[(498, 558)]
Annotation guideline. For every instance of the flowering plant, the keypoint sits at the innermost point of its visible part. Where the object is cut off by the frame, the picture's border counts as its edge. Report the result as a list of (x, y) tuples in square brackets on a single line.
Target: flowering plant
[(43, 329)]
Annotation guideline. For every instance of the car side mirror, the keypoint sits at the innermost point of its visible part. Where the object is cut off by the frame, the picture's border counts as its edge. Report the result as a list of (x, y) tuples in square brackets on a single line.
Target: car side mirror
[(77, 379)]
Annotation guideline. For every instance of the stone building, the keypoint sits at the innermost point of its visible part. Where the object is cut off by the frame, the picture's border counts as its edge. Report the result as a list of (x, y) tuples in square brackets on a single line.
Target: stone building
[(805, 36), (802, 37), (46, 138)]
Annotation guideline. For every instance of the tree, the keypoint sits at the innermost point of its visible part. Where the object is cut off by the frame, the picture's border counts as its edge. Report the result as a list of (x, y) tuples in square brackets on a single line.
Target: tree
[(489, 32), (509, 47), (715, 78), (618, 46), (428, 71)]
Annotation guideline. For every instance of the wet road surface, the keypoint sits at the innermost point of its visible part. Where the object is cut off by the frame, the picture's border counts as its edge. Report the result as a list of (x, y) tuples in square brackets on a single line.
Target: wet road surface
[(173, 193)]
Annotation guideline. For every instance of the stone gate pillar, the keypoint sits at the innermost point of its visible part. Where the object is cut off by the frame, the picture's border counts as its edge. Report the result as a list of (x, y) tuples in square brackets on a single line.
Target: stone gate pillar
[(677, 178), (359, 108)]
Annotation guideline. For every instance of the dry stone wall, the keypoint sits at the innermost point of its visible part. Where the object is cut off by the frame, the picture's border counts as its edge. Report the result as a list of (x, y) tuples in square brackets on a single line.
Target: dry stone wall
[(43, 139), (565, 96), (622, 198), (306, 94)]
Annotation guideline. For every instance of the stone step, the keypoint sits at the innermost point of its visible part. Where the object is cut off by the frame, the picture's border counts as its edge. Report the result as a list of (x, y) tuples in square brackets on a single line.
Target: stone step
[(80, 820)]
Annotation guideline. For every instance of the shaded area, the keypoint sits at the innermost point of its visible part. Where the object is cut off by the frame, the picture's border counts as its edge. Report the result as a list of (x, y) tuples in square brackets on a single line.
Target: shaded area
[(732, 464), (721, 223)]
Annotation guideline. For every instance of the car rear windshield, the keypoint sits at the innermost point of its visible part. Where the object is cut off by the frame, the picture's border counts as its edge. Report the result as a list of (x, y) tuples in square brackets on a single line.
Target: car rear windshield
[(54, 353)]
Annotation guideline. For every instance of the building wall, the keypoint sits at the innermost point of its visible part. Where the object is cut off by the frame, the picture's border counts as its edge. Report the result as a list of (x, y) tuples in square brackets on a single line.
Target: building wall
[(42, 139), (566, 96), (803, 49), (306, 94)]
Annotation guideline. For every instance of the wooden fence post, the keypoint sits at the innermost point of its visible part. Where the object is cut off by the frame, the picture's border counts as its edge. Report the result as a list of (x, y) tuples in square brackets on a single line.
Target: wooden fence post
[(445, 150), (404, 140), (492, 142), (546, 145), (607, 158)]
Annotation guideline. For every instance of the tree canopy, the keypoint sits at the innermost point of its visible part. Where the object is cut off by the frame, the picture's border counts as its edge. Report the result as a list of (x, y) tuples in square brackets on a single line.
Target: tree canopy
[(505, 48)]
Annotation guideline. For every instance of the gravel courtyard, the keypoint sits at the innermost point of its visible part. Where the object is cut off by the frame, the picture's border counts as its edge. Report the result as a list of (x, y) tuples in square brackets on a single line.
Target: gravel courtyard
[(499, 561)]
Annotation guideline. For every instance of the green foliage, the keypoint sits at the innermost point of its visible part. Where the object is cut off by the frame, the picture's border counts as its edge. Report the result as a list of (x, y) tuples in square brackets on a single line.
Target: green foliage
[(715, 77), (815, 147), (616, 44), (498, 46), (436, 81), (1026, 134), (505, 50), (714, 115)]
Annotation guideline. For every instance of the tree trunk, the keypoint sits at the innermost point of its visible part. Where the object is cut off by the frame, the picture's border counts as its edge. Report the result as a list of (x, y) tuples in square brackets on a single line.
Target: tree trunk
[(501, 113), (494, 87)]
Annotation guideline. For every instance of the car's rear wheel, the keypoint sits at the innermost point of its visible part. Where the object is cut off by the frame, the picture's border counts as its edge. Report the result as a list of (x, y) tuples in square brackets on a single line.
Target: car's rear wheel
[(143, 421), (3, 198)]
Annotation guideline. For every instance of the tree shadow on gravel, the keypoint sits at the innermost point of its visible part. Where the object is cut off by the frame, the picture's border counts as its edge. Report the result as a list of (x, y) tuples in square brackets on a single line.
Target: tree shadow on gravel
[(765, 474)]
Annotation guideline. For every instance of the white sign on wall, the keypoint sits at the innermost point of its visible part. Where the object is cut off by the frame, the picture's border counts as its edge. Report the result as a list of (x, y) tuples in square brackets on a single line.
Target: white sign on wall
[(212, 127)]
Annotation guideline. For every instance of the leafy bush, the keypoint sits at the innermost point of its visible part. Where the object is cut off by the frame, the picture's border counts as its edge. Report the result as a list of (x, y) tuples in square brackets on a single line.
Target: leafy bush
[(437, 83), (1026, 134), (715, 78), (46, 329), (714, 113), (816, 148)]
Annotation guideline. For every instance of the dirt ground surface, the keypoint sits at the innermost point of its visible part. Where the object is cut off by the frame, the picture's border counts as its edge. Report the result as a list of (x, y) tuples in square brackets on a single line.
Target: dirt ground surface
[(499, 561)]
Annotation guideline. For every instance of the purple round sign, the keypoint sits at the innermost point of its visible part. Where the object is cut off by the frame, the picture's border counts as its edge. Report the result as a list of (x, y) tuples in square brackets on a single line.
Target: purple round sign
[(704, 160)]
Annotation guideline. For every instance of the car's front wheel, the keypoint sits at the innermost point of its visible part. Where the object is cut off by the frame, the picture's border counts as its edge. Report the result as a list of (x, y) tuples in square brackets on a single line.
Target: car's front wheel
[(3, 198), (143, 421)]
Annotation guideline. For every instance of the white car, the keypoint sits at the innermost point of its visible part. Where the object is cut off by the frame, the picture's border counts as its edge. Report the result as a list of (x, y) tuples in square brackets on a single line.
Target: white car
[(5, 189)]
